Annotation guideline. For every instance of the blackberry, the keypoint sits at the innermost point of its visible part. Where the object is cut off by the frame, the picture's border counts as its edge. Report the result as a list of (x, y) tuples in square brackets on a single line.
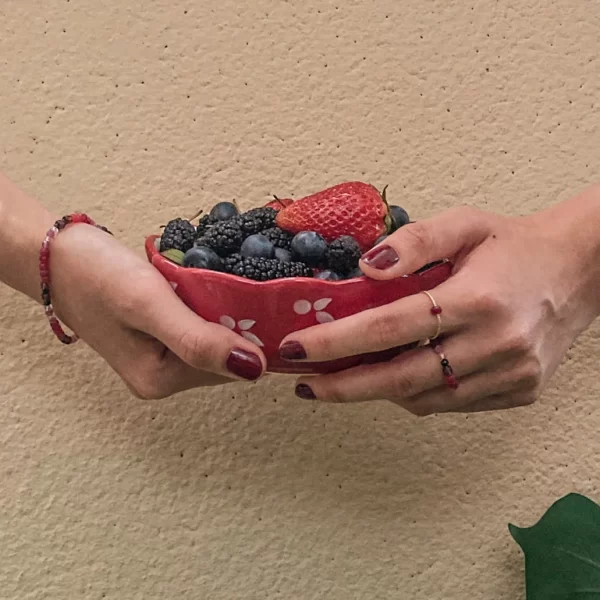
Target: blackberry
[(179, 234), (264, 269), (278, 237), (232, 261), (257, 220), (205, 222), (343, 254), (223, 237)]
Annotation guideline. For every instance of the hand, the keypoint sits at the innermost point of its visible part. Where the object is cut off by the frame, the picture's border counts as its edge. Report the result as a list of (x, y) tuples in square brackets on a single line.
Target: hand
[(127, 312), (516, 300)]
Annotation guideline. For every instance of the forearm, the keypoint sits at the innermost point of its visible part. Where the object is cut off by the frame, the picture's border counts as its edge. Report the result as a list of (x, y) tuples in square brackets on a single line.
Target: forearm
[(577, 225), (23, 225)]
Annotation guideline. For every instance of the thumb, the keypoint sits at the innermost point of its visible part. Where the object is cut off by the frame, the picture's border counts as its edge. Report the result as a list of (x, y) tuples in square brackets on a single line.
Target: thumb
[(205, 346), (422, 242)]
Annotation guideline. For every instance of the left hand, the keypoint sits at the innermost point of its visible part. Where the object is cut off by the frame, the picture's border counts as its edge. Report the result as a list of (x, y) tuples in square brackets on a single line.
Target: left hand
[(515, 302)]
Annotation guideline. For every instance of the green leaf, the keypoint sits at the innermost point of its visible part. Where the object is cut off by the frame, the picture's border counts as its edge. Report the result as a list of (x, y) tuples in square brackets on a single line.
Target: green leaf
[(562, 551), (174, 255)]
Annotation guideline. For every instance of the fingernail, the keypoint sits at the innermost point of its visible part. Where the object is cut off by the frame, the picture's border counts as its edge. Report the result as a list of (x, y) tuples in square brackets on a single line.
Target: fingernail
[(381, 257), (303, 391), (292, 351), (244, 364)]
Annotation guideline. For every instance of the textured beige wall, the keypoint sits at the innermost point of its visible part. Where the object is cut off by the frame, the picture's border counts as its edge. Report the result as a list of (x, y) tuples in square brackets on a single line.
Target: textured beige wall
[(135, 111)]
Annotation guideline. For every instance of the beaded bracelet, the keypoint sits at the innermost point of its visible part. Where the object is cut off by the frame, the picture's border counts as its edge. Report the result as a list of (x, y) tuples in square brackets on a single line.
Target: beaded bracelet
[(45, 271)]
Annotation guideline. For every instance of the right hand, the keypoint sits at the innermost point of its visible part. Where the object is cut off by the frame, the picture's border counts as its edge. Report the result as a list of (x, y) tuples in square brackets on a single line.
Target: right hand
[(122, 307)]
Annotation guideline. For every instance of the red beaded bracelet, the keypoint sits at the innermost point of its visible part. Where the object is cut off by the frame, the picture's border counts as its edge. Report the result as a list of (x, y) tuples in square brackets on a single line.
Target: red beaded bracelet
[(45, 271)]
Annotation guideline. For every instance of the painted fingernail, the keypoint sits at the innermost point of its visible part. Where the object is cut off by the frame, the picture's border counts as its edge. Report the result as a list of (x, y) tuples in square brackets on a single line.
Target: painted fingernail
[(292, 351), (244, 364), (304, 391), (382, 257)]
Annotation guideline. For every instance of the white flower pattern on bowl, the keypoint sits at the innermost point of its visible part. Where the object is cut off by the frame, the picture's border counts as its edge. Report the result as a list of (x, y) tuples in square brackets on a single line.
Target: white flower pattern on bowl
[(242, 327), (303, 307)]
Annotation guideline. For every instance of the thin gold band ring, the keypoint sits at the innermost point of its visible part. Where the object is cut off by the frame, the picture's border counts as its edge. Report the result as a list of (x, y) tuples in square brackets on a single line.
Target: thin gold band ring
[(436, 311)]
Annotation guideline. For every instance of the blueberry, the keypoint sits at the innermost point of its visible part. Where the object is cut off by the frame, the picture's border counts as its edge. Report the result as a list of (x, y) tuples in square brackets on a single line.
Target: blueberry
[(355, 273), (257, 246), (309, 247), (328, 275), (380, 239), (224, 211), (283, 255), (399, 217), (201, 257)]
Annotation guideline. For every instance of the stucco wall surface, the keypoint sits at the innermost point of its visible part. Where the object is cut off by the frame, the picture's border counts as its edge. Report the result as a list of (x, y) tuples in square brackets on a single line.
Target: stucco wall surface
[(137, 111)]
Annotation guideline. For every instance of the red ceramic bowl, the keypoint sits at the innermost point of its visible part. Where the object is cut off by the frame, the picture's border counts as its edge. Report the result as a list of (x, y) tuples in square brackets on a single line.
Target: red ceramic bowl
[(266, 312)]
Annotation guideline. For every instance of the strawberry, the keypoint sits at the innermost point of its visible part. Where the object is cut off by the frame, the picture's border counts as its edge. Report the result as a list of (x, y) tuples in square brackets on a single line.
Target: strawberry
[(278, 203), (353, 208)]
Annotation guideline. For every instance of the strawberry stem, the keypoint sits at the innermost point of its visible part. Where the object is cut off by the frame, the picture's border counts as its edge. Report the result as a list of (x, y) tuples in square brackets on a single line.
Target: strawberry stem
[(389, 223), (384, 194)]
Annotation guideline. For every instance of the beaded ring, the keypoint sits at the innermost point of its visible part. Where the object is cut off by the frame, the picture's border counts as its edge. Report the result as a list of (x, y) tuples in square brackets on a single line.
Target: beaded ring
[(447, 370), (45, 271), (436, 346)]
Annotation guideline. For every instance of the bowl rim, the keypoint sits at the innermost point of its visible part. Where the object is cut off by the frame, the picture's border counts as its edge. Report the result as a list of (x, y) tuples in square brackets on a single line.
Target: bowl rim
[(154, 255)]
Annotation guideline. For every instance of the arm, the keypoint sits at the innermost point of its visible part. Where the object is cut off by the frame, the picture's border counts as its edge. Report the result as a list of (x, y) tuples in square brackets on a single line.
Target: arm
[(23, 225), (119, 304)]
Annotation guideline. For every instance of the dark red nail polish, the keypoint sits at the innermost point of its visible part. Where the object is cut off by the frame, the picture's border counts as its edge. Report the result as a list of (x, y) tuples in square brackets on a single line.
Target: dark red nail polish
[(303, 391), (244, 364), (381, 257), (292, 351)]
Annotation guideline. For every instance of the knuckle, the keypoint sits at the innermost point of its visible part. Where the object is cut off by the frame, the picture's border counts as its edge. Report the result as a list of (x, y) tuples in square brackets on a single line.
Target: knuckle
[(196, 350), (331, 393), (384, 330), (419, 236), (531, 375), (517, 342), (487, 303), (324, 343), (401, 386)]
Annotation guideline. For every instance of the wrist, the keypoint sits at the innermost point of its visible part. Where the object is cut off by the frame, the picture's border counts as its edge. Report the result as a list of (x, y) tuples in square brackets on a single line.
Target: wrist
[(574, 226), (23, 226)]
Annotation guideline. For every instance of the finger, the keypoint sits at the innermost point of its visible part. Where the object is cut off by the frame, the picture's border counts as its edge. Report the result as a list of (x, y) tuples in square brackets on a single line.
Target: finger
[(179, 376), (401, 322), (202, 345), (498, 402), (474, 388), (446, 235), (408, 375)]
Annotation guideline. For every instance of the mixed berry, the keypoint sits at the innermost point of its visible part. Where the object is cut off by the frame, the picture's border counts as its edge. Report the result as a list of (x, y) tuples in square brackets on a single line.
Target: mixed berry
[(321, 236)]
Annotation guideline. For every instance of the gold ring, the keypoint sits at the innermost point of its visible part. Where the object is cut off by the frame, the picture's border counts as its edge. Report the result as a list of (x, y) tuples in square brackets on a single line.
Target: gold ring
[(436, 311)]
